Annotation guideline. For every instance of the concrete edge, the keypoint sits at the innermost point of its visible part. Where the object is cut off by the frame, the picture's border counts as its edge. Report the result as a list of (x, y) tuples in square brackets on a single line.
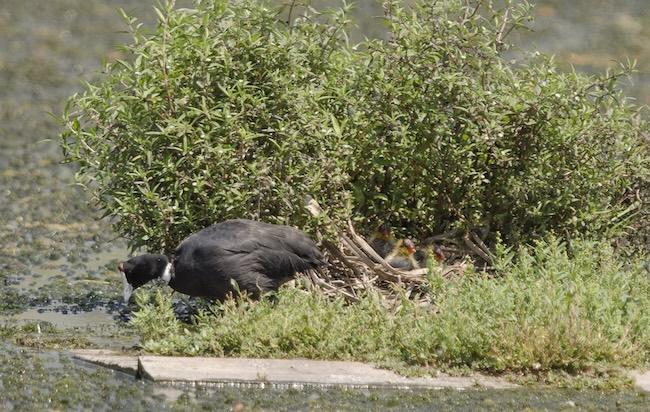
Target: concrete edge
[(226, 372), (134, 365), (234, 383), (109, 359), (141, 372)]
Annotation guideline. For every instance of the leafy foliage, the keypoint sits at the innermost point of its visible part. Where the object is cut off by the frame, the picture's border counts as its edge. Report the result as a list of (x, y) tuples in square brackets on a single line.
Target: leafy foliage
[(225, 111), (217, 116), (549, 309), (451, 133)]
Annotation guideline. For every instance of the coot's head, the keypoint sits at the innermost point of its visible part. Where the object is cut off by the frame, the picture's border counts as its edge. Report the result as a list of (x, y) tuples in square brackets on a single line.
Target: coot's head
[(404, 248), (408, 247), (141, 269)]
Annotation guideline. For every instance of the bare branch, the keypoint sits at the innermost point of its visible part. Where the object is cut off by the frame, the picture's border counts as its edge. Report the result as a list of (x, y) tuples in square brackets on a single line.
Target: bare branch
[(477, 250), (483, 247), (479, 3), (501, 33), (293, 4)]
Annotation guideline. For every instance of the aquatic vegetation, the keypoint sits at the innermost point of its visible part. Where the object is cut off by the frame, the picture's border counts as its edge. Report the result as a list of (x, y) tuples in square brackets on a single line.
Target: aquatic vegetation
[(45, 380), (43, 335), (12, 300)]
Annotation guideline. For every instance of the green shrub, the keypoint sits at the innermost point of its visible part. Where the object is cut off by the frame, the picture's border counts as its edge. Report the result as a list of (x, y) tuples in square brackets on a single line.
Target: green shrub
[(225, 112), (548, 310), (217, 115), (451, 133)]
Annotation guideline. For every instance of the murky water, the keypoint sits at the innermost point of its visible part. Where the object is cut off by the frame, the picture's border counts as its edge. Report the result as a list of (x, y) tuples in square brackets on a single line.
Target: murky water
[(63, 318), (50, 380), (594, 35), (57, 261)]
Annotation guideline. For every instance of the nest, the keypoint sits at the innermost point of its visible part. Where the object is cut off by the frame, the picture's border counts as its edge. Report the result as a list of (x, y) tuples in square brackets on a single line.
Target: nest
[(356, 269)]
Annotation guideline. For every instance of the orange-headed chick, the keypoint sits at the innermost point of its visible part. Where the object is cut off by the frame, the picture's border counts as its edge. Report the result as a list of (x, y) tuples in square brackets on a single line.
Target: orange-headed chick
[(403, 255)]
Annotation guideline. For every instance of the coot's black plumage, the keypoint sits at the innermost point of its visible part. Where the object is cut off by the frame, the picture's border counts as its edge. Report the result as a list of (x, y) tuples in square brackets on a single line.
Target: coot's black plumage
[(257, 256)]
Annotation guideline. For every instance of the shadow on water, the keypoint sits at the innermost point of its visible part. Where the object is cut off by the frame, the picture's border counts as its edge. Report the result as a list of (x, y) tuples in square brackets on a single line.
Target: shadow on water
[(57, 260)]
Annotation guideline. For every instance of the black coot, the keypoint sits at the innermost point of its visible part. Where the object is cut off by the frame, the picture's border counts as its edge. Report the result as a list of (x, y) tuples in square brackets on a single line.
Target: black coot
[(257, 256)]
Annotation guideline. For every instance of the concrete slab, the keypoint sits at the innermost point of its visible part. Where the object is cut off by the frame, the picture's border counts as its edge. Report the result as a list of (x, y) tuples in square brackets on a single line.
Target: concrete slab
[(287, 372), (294, 373), (109, 359), (641, 380)]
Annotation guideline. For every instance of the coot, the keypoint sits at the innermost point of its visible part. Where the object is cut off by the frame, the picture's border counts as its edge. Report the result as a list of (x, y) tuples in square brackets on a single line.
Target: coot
[(248, 255), (401, 257), (433, 251), (382, 240)]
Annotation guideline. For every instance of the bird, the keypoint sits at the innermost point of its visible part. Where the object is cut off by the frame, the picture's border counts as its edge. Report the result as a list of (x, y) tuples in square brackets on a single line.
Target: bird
[(402, 255), (433, 251), (234, 255), (382, 240)]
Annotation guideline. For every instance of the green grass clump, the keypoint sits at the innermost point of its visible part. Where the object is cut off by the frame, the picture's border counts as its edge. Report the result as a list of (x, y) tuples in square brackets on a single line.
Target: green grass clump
[(551, 310), (547, 309)]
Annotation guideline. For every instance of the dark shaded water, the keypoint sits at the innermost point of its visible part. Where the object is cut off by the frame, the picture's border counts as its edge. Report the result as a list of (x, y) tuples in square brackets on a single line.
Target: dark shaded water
[(57, 261)]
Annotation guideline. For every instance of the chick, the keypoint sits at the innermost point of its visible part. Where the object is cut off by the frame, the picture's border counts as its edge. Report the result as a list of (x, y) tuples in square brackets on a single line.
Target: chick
[(432, 251), (382, 240), (402, 255)]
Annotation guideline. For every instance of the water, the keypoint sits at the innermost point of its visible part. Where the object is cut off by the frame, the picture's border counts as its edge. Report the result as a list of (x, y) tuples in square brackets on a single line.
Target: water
[(63, 320), (49, 380), (57, 261), (594, 35)]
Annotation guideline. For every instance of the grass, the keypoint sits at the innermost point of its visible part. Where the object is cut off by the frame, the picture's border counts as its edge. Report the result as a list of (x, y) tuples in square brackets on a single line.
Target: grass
[(549, 311)]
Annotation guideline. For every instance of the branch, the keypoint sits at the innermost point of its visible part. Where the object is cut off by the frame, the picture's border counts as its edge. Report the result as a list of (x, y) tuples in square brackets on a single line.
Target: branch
[(477, 250), (293, 3), (341, 257), (321, 283), (483, 247), (170, 102), (501, 33), (478, 5)]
